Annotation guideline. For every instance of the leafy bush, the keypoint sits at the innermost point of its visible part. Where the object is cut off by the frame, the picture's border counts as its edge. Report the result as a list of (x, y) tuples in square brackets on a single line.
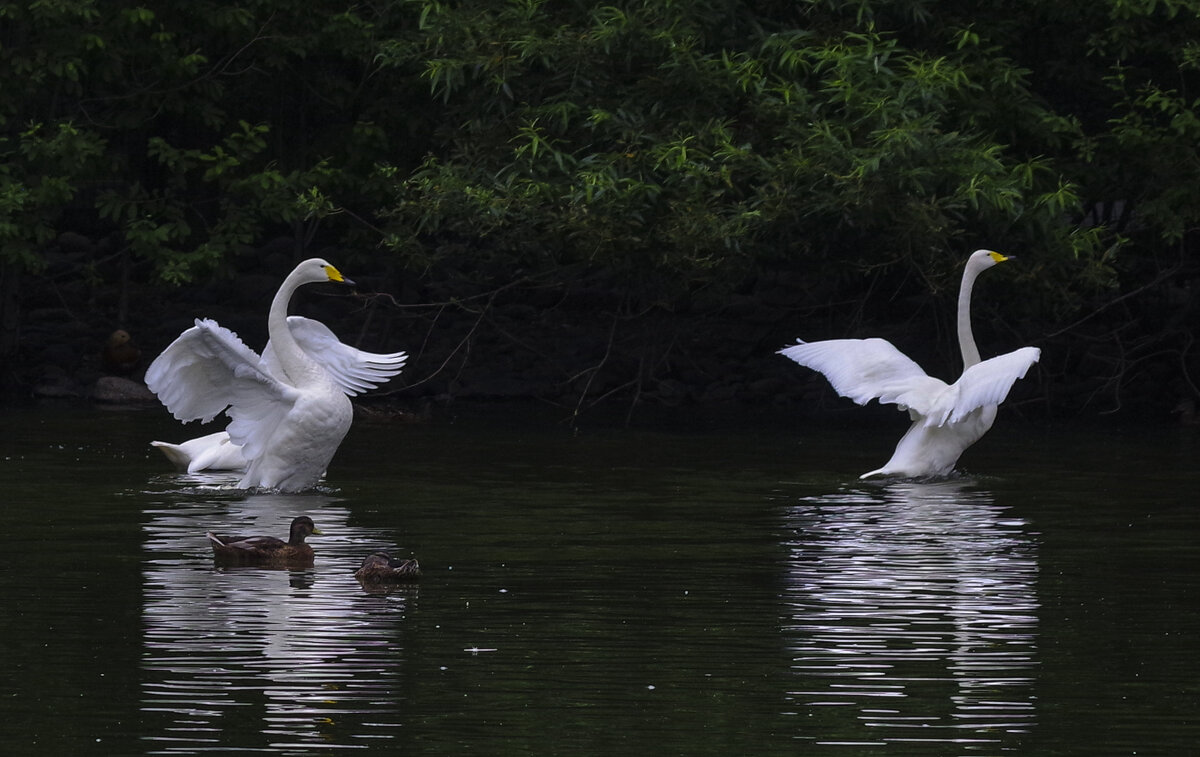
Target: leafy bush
[(662, 148)]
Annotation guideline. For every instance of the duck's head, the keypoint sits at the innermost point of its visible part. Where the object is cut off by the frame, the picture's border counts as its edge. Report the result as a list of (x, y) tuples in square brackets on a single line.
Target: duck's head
[(118, 338), (302, 528), (377, 560)]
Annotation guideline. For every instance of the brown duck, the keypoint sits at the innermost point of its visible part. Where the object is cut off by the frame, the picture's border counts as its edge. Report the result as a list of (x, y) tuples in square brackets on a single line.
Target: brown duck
[(381, 568), (267, 550)]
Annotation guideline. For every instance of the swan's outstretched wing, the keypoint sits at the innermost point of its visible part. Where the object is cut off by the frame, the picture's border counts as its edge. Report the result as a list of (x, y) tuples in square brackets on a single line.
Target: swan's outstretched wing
[(208, 369), (988, 382), (354, 370), (867, 369), (192, 375)]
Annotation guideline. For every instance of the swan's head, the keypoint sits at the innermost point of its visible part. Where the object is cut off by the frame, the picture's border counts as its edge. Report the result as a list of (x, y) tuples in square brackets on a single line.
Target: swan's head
[(983, 259), (317, 271), (302, 528)]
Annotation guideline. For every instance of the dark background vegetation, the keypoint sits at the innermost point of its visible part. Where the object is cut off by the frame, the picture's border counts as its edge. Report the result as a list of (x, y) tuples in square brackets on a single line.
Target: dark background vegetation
[(610, 204)]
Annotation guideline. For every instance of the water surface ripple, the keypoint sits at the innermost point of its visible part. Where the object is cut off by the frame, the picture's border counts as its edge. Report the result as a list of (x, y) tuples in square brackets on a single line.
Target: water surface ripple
[(912, 613), (676, 591), (301, 651)]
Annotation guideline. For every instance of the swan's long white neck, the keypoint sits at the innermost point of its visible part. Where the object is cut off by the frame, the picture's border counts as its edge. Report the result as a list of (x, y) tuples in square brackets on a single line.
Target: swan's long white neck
[(966, 339), (287, 351)]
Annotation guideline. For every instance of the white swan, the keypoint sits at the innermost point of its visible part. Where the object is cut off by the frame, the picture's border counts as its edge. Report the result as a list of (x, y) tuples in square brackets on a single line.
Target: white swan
[(289, 408), (946, 419)]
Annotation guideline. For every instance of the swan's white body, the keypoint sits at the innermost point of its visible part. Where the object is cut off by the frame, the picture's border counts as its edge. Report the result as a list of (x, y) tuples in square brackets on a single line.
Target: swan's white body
[(946, 418), (289, 408)]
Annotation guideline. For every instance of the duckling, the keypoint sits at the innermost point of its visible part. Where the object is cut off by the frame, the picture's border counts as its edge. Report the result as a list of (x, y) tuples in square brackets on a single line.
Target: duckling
[(120, 356), (267, 550), (380, 568)]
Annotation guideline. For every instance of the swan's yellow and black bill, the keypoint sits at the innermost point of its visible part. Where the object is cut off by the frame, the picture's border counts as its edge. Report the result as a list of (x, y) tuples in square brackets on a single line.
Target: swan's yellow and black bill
[(336, 275), (998, 257)]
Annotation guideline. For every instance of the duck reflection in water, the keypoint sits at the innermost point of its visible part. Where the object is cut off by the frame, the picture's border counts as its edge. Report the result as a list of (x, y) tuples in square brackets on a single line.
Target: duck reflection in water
[(913, 606), (302, 651)]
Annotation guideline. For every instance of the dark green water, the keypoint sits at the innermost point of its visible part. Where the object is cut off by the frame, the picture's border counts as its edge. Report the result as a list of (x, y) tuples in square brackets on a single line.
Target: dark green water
[(681, 592)]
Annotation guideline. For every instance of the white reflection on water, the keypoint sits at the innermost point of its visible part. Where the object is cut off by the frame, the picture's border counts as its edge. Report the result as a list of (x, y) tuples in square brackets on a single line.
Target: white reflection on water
[(912, 616), (306, 653)]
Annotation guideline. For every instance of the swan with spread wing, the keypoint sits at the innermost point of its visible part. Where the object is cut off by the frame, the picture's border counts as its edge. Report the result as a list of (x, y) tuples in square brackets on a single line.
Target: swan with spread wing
[(289, 408), (946, 418)]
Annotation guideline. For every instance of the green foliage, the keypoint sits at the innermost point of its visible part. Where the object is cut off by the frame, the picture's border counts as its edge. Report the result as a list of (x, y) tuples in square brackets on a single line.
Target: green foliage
[(38, 173), (691, 140), (197, 126), (672, 147), (702, 140)]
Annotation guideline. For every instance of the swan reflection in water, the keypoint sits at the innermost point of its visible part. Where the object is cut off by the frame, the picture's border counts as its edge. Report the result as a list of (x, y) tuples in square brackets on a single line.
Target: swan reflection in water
[(911, 616), (308, 652)]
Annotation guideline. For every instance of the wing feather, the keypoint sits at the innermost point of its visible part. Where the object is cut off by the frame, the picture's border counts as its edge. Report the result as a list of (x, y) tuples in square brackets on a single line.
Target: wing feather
[(867, 369), (191, 376), (988, 382), (354, 370), (208, 369)]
